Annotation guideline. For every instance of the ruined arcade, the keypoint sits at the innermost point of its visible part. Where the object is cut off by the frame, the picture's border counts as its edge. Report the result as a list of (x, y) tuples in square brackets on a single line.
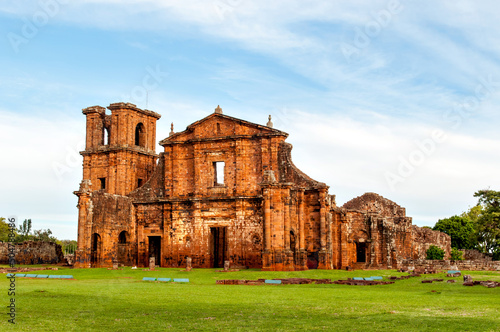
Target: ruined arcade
[(224, 189)]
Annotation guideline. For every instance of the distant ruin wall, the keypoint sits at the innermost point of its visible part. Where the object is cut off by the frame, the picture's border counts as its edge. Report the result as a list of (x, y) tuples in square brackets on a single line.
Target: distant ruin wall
[(33, 252), (472, 254), (423, 238), (466, 265), (374, 203)]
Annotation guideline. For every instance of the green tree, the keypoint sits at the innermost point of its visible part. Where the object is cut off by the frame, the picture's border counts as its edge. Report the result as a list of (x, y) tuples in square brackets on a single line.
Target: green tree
[(456, 255), (24, 231), (488, 222), (460, 229), (435, 252), (5, 230), (43, 235), (474, 213), (69, 246)]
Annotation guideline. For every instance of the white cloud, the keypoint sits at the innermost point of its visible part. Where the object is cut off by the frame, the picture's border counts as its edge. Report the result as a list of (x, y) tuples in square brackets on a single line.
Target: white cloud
[(33, 188)]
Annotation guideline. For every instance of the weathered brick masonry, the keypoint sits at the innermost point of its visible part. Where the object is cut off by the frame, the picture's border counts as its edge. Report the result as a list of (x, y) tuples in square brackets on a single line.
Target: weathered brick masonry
[(33, 252), (223, 189)]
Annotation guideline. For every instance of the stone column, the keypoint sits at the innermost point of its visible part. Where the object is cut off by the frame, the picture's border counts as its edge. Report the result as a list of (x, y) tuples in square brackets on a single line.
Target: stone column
[(286, 207), (267, 264), (82, 255), (344, 253), (289, 264), (322, 225), (322, 255), (302, 234), (267, 218)]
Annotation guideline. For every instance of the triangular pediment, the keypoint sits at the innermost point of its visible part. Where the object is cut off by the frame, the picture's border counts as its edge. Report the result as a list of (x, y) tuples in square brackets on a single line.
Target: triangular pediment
[(218, 126)]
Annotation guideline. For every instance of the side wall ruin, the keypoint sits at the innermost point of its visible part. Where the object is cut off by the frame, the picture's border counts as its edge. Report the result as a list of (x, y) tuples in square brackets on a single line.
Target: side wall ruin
[(33, 252)]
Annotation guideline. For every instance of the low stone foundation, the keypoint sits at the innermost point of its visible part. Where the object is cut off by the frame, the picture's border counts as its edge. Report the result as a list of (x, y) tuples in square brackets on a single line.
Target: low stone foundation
[(467, 265)]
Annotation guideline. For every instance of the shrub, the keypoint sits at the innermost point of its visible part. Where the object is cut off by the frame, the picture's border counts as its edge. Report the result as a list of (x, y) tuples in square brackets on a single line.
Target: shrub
[(435, 253), (456, 255)]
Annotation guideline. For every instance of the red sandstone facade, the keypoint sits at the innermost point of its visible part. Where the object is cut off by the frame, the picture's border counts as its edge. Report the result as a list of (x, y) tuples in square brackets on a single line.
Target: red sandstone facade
[(224, 189)]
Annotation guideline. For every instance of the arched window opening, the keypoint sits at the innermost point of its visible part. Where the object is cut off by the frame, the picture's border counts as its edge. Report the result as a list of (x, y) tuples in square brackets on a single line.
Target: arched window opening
[(95, 255), (122, 238), (140, 135), (105, 135)]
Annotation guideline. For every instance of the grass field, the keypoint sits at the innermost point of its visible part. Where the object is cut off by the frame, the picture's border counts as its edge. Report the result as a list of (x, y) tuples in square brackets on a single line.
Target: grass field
[(104, 300)]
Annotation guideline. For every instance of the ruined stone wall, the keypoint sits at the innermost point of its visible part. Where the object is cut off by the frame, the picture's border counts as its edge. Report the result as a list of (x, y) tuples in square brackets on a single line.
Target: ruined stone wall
[(185, 228), (112, 169), (358, 234), (190, 158), (374, 203), (423, 238), (33, 252), (108, 215), (128, 157), (467, 265), (122, 170), (475, 255), (386, 233), (153, 188)]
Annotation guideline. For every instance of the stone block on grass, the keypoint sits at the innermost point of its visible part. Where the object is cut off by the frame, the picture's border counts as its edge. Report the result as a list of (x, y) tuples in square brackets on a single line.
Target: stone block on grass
[(273, 282)]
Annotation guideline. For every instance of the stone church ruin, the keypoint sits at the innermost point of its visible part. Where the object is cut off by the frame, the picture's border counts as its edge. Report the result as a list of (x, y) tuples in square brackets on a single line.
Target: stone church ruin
[(224, 189)]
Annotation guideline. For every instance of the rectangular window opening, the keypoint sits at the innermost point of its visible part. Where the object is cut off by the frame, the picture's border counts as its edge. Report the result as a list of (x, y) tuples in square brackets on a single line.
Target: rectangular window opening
[(219, 173), (139, 183), (103, 183)]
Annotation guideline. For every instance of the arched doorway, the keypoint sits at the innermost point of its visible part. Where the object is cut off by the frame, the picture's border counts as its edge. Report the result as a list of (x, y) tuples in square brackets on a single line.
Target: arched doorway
[(123, 248), (360, 252), (96, 249), (140, 135)]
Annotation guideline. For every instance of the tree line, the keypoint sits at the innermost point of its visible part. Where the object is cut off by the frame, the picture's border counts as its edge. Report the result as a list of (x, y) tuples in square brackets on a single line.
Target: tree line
[(477, 228), (26, 233)]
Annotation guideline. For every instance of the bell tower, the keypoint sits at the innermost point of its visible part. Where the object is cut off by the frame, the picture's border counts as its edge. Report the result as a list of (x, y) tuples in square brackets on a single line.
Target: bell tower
[(119, 155)]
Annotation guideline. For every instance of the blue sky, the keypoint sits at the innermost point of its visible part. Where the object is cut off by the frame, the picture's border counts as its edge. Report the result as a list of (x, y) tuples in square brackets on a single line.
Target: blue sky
[(394, 97)]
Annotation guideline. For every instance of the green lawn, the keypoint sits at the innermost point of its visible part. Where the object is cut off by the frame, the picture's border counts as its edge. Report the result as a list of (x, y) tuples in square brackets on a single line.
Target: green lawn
[(104, 300)]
